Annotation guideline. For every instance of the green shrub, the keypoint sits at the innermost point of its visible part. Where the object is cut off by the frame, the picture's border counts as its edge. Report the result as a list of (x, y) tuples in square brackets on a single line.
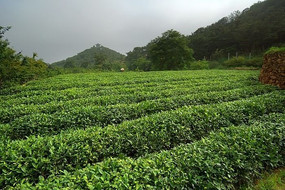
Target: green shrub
[(241, 61), (216, 65), (199, 65), (254, 62), (235, 62)]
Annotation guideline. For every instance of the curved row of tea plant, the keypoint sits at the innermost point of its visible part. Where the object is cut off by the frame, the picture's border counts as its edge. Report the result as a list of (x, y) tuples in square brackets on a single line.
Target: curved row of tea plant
[(96, 85), (83, 117), (8, 113), (90, 80), (77, 94), (39, 97), (70, 150), (224, 160)]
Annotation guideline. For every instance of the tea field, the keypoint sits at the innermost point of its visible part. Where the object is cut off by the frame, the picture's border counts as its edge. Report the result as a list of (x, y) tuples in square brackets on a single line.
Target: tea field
[(156, 130)]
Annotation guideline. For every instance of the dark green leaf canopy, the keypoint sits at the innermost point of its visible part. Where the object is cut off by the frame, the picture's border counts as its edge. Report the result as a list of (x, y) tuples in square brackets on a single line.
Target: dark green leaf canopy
[(170, 51)]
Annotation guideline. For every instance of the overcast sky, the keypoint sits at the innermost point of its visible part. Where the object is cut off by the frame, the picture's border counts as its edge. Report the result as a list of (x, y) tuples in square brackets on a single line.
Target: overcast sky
[(57, 29)]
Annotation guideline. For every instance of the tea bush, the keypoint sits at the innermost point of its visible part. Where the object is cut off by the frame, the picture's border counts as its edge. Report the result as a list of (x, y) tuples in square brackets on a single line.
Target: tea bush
[(76, 149), (73, 130), (224, 160)]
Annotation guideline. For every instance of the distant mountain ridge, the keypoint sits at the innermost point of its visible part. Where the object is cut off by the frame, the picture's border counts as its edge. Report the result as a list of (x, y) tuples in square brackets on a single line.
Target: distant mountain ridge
[(97, 56)]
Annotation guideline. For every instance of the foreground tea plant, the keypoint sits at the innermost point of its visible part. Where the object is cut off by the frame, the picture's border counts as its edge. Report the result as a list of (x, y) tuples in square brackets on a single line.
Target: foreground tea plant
[(42, 156), (76, 130), (224, 160)]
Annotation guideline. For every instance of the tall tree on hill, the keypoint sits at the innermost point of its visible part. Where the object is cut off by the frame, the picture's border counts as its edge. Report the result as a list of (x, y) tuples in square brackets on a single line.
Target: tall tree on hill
[(170, 51)]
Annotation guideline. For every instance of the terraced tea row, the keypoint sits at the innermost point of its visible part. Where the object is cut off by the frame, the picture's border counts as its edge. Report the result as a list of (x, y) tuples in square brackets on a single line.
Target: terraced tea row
[(23, 106), (62, 131), (226, 159), (27, 159), (83, 117), (74, 93), (117, 79)]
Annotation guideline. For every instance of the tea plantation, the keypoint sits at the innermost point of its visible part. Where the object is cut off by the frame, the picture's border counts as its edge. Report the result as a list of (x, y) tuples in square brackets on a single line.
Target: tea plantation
[(154, 130)]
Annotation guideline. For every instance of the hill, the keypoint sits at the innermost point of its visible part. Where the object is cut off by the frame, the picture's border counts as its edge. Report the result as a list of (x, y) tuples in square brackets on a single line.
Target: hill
[(253, 30), (98, 56)]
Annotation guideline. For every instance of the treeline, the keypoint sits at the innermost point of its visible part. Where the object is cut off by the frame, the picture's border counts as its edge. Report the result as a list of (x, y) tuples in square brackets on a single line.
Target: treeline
[(253, 30), (171, 52)]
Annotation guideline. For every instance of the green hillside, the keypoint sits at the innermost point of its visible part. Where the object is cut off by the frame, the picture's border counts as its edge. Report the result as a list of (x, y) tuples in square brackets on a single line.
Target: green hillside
[(98, 56), (253, 30)]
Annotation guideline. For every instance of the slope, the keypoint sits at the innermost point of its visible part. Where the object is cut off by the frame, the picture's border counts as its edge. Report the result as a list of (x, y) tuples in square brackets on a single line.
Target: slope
[(97, 56), (252, 30)]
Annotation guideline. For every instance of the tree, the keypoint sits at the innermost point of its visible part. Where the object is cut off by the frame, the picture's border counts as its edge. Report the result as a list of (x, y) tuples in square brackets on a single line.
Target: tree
[(170, 51), (142, 64), (136, 57), (16, 68), (10, 64), (69, 63)]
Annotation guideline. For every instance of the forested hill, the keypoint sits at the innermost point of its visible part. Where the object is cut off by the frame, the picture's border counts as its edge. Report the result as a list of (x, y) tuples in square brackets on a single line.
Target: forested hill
[(97, 56), (252, 30)]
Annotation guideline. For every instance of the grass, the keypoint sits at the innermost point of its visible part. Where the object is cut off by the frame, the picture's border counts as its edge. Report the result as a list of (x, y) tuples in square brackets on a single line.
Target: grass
[(275, 50), (271, 181)]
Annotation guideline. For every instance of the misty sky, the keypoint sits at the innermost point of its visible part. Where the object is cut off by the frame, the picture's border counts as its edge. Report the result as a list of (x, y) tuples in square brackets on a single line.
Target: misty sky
[(57, 29)]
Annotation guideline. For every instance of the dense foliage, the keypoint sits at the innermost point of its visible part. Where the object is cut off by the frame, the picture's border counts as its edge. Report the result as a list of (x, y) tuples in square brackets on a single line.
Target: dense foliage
[(61, 132), (156, 130), (138, 60), (170, 52), (167, 52)]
